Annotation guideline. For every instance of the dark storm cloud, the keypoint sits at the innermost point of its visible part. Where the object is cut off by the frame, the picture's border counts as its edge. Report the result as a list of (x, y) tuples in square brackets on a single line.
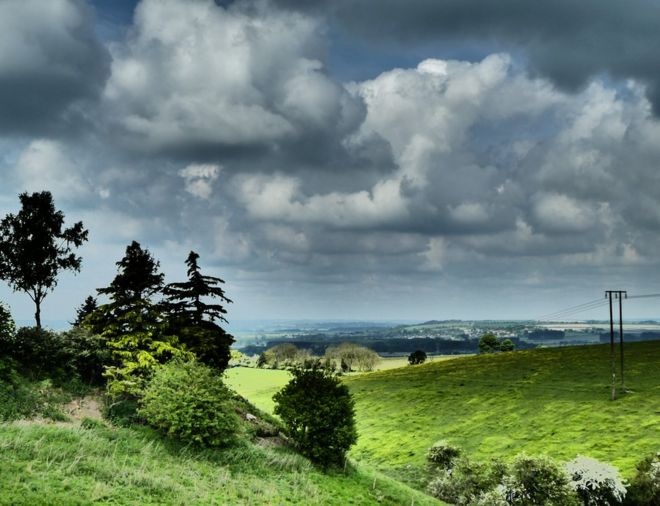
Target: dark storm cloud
[(50, 61), (567, 41)]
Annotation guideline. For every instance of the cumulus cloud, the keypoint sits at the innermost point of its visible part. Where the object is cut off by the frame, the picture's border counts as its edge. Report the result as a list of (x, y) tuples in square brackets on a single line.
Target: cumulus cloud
[(199, 179), (50, 62), (196, 75), (221, 129), (568, 42)]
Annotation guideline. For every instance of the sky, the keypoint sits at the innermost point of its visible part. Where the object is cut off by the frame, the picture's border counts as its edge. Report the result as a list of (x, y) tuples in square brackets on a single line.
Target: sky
[(362, 159)]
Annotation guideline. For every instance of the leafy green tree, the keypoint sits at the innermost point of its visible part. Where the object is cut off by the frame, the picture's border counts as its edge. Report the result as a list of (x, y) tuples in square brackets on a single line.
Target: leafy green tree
[(35, 246), (353, 356), (318, 411), (86, 308), (417, 357), (193, 319), (489, 343)]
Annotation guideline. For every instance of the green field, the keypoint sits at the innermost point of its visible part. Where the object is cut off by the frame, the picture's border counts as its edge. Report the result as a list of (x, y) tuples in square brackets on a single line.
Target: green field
[(257, 385), (46, 464), (552, 401)]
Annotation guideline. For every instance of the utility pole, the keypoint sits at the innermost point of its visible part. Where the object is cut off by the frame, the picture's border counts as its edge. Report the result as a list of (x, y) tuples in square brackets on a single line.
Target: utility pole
[(619, 294)]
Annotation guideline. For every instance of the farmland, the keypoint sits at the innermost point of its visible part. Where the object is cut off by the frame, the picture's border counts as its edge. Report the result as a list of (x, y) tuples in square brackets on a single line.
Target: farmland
[(552, 401)]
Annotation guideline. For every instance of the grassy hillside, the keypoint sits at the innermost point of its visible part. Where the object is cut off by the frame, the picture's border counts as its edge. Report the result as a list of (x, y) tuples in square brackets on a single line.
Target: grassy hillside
[(46, 464), (553, 401)]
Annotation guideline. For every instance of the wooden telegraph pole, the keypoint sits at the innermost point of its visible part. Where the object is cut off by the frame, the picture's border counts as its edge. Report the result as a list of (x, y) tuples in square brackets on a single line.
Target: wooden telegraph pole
[(618, 294)]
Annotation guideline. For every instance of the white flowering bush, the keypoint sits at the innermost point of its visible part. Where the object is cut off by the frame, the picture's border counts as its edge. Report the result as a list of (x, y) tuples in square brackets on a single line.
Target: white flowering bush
[(596, 483)]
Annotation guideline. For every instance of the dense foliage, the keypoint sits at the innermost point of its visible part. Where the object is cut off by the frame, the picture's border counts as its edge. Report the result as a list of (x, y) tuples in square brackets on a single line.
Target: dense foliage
[(34, 247), (466, 481), (351, 356), (318, 411), (489, 343), (539, 481), (417, 357), (443, 455), (189, 401), (644, 488), (7, 325)]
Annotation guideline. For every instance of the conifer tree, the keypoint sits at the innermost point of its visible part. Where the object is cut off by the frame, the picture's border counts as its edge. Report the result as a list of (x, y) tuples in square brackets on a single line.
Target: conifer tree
[(186, 299), (193, 319), (86, 308), (133, 325)]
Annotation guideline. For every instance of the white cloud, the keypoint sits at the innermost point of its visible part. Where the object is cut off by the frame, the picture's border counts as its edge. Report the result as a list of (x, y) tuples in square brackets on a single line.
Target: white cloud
[(196, 73), (199, 179), (45, 165), (279, 198), (559, 213)]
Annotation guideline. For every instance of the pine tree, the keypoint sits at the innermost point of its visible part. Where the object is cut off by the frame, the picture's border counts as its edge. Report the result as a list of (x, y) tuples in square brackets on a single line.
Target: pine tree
[(138, 276), (86, 308), (134, 326), (185, 299), (194, 320)]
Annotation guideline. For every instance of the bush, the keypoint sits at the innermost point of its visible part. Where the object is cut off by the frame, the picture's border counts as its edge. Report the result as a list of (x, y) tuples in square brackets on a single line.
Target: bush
[(318, 411), (188, 401), (443, 454), (644, 489), (596, 483), (35, 351), (539, 481), (417, 357), (76, 354), (467, 481), (507, 345), (86, 354), (17, 398)]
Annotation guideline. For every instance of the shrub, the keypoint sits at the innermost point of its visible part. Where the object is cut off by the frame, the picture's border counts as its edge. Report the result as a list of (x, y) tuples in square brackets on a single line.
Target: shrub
[(443, 454), (467, 481), (318, 411), (17, 398), (539, 481), (86, 353), (37, 351), (507, 345), (644, 489), (596, 483), (91, 423), (188, 401), (417, 357)]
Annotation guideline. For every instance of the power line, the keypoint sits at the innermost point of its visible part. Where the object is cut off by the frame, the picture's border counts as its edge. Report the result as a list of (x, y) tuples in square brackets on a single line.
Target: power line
[(546, 315), (587, 306)]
